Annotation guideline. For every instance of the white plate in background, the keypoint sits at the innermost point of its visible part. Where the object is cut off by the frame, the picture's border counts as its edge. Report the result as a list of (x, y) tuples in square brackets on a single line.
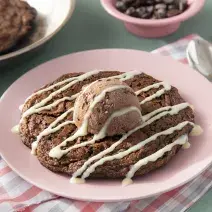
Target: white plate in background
[(52, 16)]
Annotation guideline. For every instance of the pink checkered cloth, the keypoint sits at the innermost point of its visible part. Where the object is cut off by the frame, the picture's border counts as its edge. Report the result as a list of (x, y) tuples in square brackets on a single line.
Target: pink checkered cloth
[(18, 195)]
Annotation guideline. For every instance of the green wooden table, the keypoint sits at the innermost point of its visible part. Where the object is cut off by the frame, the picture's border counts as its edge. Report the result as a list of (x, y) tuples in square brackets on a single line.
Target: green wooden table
[(92, 28)]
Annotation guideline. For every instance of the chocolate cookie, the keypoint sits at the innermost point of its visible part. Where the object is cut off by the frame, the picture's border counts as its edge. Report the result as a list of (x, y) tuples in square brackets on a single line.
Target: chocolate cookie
[(47, 121), (16, 22)]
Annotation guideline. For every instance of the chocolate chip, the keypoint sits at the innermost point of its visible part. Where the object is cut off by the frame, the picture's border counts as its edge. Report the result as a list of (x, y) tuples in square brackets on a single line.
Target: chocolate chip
[(172, 6), (160, 13), (160, 6), (121, 6), (149, 2), (131, 11), (140, 11), (153, 17), (146, 15), (138, 3), (127, 2), (150, 9), (173, 12), (182, 5), (168, 1)]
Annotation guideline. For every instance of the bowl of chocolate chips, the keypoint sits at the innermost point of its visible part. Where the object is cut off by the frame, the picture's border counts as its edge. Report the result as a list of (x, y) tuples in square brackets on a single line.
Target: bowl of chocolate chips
[(152, 18)]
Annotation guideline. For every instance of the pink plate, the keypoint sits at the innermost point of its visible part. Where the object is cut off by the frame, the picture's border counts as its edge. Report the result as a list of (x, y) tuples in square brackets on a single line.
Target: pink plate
[(184, 167)]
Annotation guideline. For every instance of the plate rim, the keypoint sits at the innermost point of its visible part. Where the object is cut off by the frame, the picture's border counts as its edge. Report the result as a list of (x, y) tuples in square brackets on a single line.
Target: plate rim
[(103, 199), (43, 40), (100, 199)]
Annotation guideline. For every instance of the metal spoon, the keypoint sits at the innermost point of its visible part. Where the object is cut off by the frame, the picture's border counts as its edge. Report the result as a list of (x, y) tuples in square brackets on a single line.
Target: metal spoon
[(199, 55)]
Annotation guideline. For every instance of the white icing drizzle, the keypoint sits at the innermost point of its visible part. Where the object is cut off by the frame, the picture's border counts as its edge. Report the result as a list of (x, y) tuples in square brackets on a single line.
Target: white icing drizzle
[(127, 181), (159, 93), (155, 85), (47, 107), (173, 110), (125, 76), (192, 107), (134, 148), (122, 77), (77, 181), (40, 106), (21, 107), (15, 129), (57, 152), (86, 75), (47, 99), (196, 131), (71, 81), (153, 157), (49, 130), (128, 75), (51, 87), (155, 112), (186, 145)]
